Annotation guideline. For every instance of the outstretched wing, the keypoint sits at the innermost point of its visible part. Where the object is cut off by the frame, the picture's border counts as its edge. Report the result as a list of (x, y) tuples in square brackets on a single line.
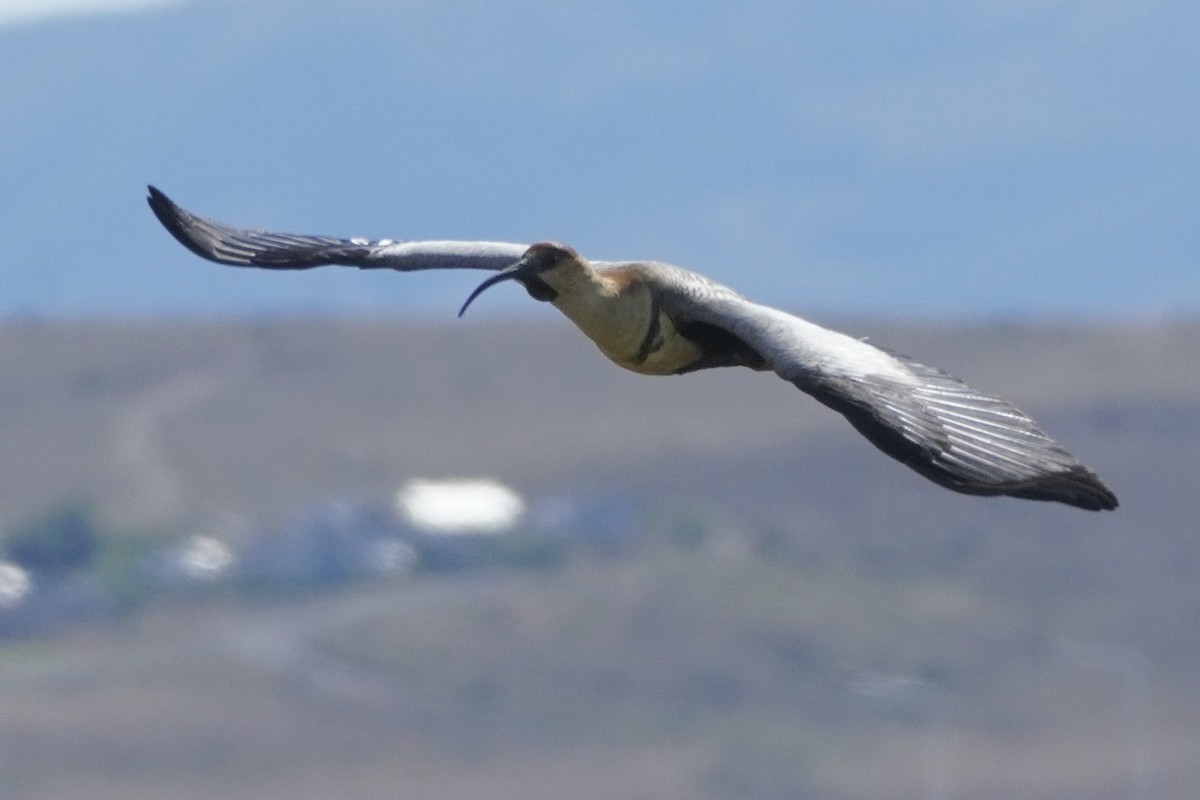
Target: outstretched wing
[(957, 437), (225, 244)]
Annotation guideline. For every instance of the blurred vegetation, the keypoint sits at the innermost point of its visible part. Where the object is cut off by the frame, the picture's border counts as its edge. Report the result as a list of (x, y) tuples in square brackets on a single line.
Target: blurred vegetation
[(806, 620), (796, 671), (59, 540), (121, 563)]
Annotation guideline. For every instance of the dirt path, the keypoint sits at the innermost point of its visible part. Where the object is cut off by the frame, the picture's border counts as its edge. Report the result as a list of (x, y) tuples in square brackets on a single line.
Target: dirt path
[(155, 488)]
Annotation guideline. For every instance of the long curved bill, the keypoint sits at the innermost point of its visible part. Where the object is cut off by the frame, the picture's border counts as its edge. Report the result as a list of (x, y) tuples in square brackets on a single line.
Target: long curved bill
[(517, 270)]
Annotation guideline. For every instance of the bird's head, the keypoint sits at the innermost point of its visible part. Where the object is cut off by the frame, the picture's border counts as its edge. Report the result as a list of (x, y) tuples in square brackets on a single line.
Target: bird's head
[(540, 260)]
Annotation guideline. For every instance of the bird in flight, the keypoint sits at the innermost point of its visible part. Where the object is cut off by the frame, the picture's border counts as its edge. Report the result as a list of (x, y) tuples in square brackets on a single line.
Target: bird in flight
[(658, 319)]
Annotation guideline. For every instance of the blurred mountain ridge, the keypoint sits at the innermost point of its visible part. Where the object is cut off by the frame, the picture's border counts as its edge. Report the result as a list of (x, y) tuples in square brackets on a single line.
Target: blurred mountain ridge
[(1046, 177)]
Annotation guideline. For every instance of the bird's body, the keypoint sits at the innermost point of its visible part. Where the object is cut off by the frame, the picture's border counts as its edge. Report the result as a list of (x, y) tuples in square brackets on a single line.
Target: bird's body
[(619, 311), (659, 319)]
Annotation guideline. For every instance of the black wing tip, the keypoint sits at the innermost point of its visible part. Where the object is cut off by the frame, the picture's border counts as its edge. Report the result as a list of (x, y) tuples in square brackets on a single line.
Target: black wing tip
[(1078, 487), (164, 208), (180, 224), (223, 244)]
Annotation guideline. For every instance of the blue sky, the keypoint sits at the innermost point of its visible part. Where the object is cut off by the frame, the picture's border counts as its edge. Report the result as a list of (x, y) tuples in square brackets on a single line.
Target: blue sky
[(932, 159)]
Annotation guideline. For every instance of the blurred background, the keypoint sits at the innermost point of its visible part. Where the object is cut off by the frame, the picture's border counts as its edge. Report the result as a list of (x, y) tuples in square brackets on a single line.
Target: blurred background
[(308, 535)]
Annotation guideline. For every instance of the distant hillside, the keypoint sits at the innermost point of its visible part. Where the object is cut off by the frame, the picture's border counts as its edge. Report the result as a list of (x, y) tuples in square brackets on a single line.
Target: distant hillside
[(188, 422), (842, 629)]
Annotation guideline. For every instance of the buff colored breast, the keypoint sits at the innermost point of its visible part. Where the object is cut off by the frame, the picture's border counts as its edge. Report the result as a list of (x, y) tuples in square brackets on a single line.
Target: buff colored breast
[(618, 315)]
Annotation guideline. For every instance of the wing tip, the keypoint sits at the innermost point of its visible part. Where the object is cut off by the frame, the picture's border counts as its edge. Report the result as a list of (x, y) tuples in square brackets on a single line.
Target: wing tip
[(223, 244), (179, 223), (1078, 487), (162, 206)]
